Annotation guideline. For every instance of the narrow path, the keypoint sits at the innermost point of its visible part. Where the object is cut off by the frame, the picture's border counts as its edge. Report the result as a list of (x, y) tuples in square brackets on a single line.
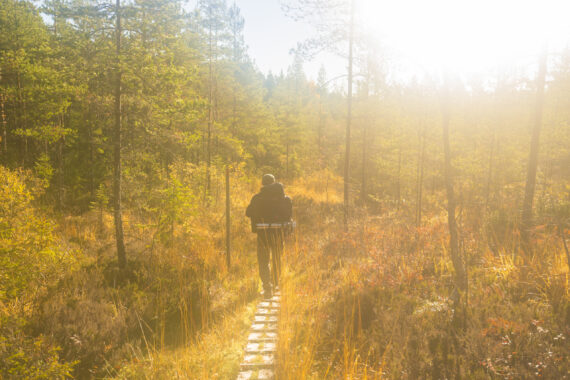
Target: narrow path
[(260, 352)]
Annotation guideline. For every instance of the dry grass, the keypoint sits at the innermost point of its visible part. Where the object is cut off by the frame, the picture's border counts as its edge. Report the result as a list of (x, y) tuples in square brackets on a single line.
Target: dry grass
[(378, 303), (213, 354)]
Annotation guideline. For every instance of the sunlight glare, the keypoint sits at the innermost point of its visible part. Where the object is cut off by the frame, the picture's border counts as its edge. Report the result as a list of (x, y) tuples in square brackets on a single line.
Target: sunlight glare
[(467, 36)]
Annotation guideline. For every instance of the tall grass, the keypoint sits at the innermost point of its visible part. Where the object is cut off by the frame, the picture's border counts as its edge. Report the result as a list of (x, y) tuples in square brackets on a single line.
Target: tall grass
[(385, 307), (176, 294)]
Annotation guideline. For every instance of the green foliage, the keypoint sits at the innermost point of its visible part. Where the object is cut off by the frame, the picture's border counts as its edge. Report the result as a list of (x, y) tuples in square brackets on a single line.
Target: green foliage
[(193, 102), (44, 170), (30, 261), (29, 255), (25, 357)]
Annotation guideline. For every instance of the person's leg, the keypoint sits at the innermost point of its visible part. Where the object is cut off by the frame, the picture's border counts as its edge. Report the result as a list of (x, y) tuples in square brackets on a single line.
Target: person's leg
[(263, 260), (276, 251)]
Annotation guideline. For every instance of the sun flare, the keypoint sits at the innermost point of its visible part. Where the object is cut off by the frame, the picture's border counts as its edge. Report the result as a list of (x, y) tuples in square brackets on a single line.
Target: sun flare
[(467, 36)]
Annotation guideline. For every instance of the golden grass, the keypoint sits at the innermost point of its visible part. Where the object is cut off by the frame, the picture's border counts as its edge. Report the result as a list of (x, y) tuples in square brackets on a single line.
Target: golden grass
[(213, 354), (409, 280)]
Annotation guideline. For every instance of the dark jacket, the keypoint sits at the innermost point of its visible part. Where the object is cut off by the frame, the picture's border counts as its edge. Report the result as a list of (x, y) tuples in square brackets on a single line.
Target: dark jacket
[(270, 205)]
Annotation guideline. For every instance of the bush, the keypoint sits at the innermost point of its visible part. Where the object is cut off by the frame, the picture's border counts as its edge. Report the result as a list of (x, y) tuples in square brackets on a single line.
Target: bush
[(29, 256), (30, 260), (25, 357)]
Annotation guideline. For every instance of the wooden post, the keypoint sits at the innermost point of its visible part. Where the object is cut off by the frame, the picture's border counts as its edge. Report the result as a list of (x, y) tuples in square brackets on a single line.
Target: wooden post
[(228, 220)]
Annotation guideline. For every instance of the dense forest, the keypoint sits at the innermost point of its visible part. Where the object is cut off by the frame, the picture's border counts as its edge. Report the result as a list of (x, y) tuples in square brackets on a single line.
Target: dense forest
[(433, 212)]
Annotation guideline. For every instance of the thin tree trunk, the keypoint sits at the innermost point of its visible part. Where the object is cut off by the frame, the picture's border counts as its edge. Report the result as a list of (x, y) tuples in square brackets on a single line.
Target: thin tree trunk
[(490, 171), (363, 188), (234, 109), (228, 219), (563, 237), (421, 177), (91, 160), (457, 260), (533, 155), (348, 117), (4, 124), (399, 180), (418, 177), (320, 133), (61, 172), (287, 160), (364, 145), (210, 111), (117, 147), (23, 120)]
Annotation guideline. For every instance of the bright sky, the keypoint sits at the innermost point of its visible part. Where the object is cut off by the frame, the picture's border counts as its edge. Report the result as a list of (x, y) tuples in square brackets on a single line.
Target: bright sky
[(466, 36), (270, 35)]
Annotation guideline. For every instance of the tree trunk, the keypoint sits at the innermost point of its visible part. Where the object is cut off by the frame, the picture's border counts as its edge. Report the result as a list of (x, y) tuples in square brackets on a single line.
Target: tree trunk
[(287, 159), (320, 133), (364, 145), (420, 181), (117, 147), (490, 171), (91, 159), (61, 173), (210, 112), (348, 117), (363, 188), (533, 155), (4, 125), (399, 180), (460, 273), (228, 219), (23, 123)]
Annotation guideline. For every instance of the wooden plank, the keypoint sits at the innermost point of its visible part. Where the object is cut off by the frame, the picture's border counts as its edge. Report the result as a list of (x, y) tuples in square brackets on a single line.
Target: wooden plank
[(260, 352), (258, 361), (263, 336), (262, 374), (262, 311), (258, 327), (269, 305), (261, 348), (265, 319)]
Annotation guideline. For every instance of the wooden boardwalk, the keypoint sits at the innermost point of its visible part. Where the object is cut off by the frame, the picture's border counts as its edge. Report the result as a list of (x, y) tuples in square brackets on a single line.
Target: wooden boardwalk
[(261, 349)]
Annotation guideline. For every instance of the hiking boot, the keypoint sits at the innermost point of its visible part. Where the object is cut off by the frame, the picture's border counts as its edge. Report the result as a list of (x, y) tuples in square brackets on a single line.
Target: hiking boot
[(267, 294)]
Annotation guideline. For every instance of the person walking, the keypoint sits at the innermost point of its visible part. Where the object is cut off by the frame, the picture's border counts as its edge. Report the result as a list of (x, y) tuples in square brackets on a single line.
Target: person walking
[(270, 210)]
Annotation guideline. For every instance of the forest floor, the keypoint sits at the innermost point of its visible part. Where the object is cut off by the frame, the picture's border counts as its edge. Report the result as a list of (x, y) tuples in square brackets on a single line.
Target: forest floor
[(214, 353), (376, 301), (379, 301)]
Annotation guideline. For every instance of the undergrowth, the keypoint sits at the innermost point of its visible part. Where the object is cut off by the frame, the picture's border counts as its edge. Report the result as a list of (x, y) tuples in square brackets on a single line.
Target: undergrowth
[(379, 302), (69, 311)]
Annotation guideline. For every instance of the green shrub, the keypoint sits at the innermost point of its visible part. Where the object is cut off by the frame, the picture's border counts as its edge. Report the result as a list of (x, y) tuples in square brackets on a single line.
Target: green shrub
[(30, 260), (25, 357), (29, 256)]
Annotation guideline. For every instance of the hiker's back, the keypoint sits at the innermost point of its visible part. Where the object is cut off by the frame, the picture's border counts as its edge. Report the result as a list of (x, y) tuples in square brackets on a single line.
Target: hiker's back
[(273, 206)]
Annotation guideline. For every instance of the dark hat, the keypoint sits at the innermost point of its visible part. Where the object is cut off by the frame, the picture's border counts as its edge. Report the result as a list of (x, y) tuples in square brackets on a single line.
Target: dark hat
[(267, 179)]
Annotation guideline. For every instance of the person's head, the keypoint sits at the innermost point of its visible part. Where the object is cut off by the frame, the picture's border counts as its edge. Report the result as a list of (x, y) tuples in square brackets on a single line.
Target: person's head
[(267, 179)]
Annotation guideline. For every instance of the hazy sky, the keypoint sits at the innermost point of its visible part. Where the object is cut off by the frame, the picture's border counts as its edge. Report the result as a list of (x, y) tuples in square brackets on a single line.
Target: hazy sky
[(270, 35), (419, 36)]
